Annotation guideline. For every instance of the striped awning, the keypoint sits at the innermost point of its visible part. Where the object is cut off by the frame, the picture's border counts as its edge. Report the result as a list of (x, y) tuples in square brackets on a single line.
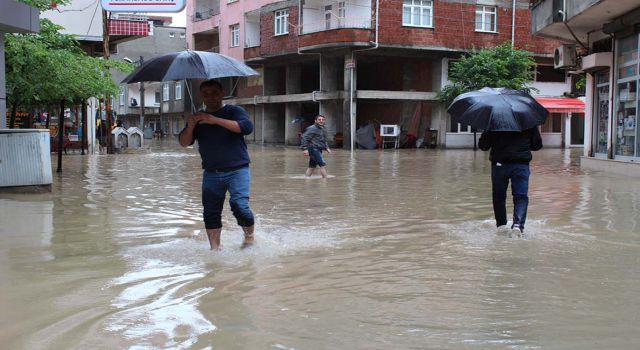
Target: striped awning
[(561, 105)]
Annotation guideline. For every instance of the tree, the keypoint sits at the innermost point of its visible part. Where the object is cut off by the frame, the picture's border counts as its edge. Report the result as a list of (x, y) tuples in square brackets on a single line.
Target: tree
[(48, 67), (499, 66)]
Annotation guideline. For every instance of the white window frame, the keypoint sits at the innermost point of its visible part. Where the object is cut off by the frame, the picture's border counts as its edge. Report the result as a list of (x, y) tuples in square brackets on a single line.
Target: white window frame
[(234, 40), (165, 92), (281, 22), (121, 95), (178, 90), (417, 7), (486, 13)]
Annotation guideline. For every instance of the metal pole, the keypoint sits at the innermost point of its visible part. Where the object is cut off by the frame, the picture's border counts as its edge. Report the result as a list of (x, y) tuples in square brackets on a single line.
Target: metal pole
[(83, 120), (60, 136), (107, 100), (141, 100), (513, 24)]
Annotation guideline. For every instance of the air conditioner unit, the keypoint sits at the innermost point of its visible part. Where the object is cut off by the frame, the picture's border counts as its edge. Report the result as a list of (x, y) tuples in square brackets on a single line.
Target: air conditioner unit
[(564, 57)]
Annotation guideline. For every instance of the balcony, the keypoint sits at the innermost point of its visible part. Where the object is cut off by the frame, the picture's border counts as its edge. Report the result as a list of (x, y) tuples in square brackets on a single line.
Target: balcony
[(324, 15), (205, 9)]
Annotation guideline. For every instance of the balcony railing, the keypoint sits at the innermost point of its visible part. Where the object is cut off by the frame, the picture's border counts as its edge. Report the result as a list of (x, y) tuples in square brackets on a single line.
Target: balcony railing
[(203, 14), (336, 23)]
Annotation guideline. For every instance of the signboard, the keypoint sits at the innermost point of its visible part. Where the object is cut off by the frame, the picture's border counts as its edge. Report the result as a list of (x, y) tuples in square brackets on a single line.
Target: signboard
[(349, 63), (143, 5)]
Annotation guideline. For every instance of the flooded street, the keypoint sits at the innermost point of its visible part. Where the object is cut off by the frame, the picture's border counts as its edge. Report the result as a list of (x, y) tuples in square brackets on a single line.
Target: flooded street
[(398, 251)]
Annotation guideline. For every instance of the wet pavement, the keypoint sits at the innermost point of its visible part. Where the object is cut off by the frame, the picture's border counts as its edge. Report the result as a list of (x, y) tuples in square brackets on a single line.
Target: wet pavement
[(397, 251)]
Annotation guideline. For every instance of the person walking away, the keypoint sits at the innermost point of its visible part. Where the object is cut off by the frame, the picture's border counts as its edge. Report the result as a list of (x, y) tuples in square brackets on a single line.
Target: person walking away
[(314, 141), (510, 156), (220, 130)]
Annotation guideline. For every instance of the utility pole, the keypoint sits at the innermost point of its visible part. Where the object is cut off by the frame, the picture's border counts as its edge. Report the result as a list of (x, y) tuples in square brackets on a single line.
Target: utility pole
[(141, 99), (107, 101)]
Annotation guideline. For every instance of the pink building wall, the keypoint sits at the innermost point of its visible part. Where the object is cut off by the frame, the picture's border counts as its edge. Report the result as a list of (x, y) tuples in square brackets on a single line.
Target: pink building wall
[(230, 14)]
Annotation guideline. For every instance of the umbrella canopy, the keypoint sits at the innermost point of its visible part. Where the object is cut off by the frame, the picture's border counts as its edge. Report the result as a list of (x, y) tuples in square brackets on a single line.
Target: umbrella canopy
[(498, 110), (189, 65)]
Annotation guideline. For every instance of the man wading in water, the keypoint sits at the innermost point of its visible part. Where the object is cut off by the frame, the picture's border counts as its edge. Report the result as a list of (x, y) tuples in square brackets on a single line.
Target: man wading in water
[(220, 131), (314, 141)]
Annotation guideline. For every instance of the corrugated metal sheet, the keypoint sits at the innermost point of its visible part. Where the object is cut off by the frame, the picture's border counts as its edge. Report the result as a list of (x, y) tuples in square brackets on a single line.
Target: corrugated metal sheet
[(25, 158)]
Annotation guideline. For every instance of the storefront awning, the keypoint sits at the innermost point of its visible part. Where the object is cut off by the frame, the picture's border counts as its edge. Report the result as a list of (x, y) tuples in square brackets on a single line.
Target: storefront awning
[(561, 105)]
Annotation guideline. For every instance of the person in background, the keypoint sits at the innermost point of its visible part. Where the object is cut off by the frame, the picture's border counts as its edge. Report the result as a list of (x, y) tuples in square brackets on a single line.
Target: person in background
[(314, 141), (220, 130), (510, 156)]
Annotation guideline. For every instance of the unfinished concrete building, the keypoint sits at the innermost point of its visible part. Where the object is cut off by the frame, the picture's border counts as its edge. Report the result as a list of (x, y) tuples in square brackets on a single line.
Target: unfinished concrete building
[(356, 61)]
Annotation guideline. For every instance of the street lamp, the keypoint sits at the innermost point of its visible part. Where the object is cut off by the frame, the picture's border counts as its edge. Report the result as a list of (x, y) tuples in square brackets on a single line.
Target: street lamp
[(139, 63)]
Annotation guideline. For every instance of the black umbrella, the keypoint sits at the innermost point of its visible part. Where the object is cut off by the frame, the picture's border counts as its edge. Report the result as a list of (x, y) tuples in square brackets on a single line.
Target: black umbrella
[(189, 65), (498, 109)]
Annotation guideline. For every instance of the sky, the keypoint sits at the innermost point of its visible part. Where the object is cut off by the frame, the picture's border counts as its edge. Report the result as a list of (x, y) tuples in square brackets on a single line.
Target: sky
[(179, 19)]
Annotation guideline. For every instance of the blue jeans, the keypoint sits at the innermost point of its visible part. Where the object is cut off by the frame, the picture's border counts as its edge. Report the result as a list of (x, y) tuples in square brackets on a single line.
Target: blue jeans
[(214, 190), (518, 173), (315, 157)]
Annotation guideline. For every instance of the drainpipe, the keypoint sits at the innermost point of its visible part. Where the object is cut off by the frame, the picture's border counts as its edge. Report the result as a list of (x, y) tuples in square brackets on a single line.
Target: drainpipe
[(352, 117), (513, 24)]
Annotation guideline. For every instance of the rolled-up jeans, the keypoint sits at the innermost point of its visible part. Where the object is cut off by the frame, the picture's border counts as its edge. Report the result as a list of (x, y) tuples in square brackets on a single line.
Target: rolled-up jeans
[(315, 157), (214, 189), (518, 173)]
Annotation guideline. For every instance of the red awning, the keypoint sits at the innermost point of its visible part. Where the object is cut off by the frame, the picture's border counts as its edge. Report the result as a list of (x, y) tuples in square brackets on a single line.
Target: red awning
[(561, 105)]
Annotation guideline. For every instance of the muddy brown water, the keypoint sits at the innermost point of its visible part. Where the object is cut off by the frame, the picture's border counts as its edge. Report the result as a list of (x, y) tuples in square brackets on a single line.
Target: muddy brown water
[(397, 251)]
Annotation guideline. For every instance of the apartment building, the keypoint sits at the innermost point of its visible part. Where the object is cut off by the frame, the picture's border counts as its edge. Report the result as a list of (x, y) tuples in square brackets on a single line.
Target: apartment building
[(364, 61), (605, 36)]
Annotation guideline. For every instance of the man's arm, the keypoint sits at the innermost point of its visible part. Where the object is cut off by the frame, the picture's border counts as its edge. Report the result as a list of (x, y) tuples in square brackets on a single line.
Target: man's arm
[(485, 141), (186, 136), (536, 139), (239, 125)]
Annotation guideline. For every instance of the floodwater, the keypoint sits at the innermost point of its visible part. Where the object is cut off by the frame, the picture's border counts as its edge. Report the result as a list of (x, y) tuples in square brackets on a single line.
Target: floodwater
[(397, 251)]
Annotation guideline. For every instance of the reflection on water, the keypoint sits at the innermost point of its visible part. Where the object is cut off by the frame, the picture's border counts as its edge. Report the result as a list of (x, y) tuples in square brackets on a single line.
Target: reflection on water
[(398, 250)]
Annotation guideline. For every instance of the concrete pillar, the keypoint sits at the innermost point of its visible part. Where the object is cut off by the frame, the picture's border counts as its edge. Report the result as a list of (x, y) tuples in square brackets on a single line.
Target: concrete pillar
[(292, 110), (349, 104), (439, 115), (3, 92), (567, 130), (328, 82), (590, 92)]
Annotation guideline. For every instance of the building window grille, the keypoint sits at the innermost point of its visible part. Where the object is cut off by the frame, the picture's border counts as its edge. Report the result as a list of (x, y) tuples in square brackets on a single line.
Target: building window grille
[(417, 13), (178, 90), (235, 35), (486, 19), (165, 92), (281, 18)]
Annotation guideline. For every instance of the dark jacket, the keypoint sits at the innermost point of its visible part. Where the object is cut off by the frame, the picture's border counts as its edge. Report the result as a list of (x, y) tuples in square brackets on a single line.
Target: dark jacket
[(219, 147), (314, 137), (511, 147)]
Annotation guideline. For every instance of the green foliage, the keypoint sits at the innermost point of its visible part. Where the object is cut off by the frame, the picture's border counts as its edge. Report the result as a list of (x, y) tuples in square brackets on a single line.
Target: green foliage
[(499, 66), (44, 4), (48, 67)]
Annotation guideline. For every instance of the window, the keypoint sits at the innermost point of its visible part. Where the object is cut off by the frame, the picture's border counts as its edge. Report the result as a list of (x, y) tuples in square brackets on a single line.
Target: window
[(122, 95), (230, 1), (486, 19), (182, 35), (235, 35), (547, 74), (178, 90), (417, 13), (281, 22), (553, 123), (165, 92), (172, 34), (327, 16)]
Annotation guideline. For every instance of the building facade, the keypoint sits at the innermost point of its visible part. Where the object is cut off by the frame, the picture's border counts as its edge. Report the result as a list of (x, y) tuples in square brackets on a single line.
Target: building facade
[(362, 61), (605, 36), (165, 104)]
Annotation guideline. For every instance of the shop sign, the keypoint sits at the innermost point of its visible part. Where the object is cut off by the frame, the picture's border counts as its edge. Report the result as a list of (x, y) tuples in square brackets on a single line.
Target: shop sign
[(143, 5)]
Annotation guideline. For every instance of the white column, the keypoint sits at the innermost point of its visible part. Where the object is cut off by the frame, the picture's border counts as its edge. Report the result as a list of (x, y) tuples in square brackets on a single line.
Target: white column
[(567, 130), (3, 94), (589, 115)]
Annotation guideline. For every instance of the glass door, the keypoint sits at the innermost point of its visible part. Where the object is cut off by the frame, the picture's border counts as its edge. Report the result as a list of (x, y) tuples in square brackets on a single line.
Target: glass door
[(626, 96), (601, 125)]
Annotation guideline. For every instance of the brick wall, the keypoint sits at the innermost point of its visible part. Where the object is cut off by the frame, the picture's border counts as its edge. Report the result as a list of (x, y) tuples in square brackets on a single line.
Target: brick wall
[(336, 36), (454, 27), (271, 45)]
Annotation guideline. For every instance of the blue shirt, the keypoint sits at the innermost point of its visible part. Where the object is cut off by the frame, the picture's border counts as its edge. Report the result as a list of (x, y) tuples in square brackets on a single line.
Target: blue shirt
[(219, 147)]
